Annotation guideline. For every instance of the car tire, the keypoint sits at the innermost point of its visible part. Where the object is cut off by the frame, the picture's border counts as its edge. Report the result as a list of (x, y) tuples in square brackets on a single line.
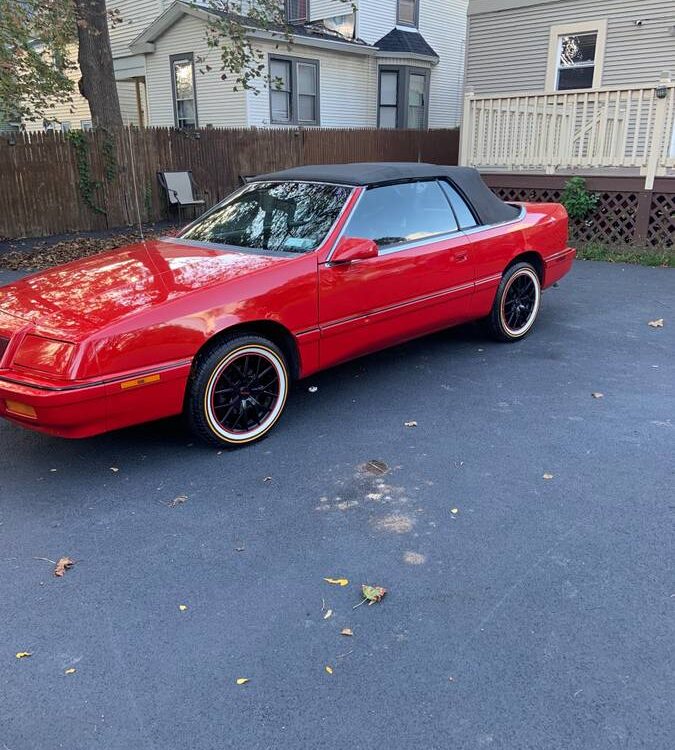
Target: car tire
[(516, 304), (237, 391)]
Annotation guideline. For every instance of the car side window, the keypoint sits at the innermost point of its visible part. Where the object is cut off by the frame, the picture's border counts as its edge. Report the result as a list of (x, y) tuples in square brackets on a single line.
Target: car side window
[(397, 214), (463, 213)]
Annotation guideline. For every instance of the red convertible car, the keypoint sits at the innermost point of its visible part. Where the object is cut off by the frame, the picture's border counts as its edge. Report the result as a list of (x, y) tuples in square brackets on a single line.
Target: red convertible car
[(293, 273)]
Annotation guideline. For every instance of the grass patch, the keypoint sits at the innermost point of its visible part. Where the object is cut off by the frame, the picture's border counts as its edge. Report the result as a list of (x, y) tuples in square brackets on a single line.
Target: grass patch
[(663, 257)]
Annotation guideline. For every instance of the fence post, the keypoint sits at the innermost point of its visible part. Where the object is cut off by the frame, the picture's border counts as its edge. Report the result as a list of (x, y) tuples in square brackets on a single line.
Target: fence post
[(657, 143), (643, 213), (465, 134)]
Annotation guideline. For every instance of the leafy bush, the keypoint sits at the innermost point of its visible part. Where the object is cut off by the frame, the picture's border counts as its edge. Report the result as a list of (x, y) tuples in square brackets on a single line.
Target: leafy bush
[(580, 204)]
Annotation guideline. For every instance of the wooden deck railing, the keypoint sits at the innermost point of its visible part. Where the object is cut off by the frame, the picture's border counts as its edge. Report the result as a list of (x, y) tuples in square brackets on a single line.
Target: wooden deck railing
[(624, 128)]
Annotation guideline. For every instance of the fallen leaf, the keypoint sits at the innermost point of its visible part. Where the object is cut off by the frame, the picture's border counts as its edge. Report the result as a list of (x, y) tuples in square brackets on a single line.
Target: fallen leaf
[(410, 424), (548, 476), (239, 549), (656, 323), (372, 594), (182, 607), (242, 680), (180, 500), (71, 670), (64, 564), (312, 389), (267, 479), (329, 670), (454, 511), (114, 468), (23, 654), (329, 613), (337, 581), (596, 394), (346, 631)]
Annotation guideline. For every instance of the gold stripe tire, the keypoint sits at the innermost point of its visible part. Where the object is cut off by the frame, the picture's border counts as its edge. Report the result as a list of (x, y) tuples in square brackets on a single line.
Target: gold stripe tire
[(199, 406)]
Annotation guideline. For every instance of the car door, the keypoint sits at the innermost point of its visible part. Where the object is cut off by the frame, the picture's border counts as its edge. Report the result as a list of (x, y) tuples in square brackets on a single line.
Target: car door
[(421, 280)]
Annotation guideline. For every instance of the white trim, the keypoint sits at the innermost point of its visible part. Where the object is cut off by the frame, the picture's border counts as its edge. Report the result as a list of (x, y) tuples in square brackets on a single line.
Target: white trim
[(409, 56), (565, 29)]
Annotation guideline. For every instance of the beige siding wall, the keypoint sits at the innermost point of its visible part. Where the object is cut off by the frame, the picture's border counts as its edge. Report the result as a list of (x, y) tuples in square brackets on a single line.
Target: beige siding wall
[(73, 112), (217, 103), (508, 50), (348, 87)]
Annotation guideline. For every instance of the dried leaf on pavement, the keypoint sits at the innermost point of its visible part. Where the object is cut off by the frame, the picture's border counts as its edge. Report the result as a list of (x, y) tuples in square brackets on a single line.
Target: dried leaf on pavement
[(337, 581), (64, 564), (376, 467), (597, 394), (412, 423), (23, 654), (548, 476), (371, 594), (70, 670), (656, 323), (242, 680), (347, 631), (328, 614), (183, 607), (329, 670)]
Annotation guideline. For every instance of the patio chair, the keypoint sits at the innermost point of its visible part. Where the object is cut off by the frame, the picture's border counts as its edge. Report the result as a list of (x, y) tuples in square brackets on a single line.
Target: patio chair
[(181, 192)]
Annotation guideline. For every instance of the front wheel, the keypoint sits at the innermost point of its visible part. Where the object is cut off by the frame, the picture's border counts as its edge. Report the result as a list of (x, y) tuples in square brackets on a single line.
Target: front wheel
[(237, 392), (517, 303)]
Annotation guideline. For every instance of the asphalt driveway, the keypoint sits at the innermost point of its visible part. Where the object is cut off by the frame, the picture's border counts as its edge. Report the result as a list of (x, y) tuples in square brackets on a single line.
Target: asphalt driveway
[(539, 615)]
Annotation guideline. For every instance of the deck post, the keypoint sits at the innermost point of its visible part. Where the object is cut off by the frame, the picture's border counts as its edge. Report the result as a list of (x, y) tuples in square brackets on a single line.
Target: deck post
[(466, 131), (657, 144)]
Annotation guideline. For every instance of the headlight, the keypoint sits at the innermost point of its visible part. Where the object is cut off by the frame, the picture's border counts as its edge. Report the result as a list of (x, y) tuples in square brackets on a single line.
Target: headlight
[(44, 355)]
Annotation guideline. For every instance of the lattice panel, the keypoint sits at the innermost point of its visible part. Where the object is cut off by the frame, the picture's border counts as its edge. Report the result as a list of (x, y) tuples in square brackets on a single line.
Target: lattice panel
[(662, 220), (613, 223)]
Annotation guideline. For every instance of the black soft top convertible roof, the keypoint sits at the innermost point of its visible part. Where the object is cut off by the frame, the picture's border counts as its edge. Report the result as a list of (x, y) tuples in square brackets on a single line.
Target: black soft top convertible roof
[(488, 207)]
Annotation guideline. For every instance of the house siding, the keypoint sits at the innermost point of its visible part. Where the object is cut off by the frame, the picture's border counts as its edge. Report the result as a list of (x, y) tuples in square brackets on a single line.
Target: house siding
[(348, 86), (135, 16), (319, 9), (217, 103), (443, 25), (516, 60)]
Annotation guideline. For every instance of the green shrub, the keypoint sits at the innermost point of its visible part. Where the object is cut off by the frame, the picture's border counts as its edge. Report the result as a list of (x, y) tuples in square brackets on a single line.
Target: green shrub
[(580, 204)]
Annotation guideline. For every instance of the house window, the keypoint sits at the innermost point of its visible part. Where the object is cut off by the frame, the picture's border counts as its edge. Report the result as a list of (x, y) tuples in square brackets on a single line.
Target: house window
[(297, 11), (65, 126), (85, 125), (294, 91), (184, 94), (408, 12), (404, 98), (576, 55), (576, 61)]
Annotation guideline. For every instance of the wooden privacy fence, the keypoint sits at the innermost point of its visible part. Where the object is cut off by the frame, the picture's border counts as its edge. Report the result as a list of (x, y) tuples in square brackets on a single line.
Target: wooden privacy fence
[(53, 183)]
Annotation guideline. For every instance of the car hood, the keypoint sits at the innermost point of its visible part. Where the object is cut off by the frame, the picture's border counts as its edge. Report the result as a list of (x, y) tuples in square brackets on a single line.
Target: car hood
[(84, 296)]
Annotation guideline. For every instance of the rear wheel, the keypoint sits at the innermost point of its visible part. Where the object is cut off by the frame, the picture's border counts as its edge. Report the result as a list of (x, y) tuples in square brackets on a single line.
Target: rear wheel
[(517, 303), (237, 391)]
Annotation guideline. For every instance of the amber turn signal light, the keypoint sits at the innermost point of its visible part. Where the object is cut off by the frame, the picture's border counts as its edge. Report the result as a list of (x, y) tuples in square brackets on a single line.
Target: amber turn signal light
[(20, 410)]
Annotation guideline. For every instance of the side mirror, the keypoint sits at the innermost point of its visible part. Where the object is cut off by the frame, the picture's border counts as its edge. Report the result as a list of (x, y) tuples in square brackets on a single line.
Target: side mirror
[(350, 249)]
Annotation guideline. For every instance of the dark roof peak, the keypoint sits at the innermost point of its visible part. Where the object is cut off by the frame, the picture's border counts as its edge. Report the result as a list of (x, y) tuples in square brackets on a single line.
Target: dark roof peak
[(408, 42)]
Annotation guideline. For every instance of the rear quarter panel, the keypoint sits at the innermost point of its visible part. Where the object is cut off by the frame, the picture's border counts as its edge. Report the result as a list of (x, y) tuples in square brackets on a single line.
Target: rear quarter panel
[(542, 229)]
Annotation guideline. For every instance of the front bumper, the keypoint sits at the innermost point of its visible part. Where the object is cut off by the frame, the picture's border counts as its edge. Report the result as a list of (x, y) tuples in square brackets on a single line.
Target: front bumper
[(77, 411)]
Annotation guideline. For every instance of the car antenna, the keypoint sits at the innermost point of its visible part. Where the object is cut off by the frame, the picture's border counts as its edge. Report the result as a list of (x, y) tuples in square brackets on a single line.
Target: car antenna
[(133, 176)]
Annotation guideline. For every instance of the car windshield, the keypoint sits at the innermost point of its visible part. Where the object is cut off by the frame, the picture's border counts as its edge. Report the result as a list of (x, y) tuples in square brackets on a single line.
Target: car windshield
[(292, 217)]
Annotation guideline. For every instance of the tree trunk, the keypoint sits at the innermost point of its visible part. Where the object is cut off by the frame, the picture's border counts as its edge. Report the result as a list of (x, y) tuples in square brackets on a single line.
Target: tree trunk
[(97, 84)]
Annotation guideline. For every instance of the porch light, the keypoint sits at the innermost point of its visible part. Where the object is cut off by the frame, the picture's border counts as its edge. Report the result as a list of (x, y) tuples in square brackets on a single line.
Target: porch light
[(661, 92)]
